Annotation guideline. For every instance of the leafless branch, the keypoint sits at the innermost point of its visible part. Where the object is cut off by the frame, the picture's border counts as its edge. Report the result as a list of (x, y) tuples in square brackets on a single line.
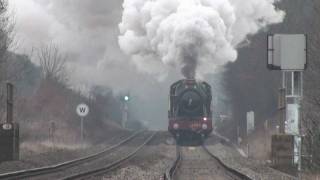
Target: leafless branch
[(52, 62), (6, 37)]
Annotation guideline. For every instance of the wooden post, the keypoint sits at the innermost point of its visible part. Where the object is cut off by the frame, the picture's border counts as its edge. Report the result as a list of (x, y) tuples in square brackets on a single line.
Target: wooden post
[(282, 109), (9, 103)]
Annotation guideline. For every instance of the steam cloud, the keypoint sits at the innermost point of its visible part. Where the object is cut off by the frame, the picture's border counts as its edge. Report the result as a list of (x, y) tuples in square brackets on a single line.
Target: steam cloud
[(194, 36)]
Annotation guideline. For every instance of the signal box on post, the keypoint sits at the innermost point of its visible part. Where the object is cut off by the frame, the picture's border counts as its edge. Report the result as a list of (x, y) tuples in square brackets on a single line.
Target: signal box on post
[(9, 142), (9, 132)]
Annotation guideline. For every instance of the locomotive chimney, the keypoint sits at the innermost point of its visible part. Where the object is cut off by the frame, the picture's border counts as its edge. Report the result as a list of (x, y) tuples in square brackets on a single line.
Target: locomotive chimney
[(189, 65)]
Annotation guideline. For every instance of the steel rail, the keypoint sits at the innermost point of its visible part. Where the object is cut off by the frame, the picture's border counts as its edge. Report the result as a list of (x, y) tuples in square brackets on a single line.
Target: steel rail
[(171, 171), (229, 169), (54, 168), (111, 166)]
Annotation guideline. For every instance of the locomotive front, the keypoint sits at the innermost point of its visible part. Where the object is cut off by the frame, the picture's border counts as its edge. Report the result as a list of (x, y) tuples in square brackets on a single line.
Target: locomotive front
[(190, 116)]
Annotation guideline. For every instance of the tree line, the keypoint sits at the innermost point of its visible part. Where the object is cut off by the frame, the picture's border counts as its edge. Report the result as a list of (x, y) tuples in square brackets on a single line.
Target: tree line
[(43, 93)]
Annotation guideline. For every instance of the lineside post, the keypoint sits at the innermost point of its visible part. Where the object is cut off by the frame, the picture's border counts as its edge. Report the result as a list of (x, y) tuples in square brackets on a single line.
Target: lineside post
[(9, 131), (9, 103), (282, 109), (288, 53)]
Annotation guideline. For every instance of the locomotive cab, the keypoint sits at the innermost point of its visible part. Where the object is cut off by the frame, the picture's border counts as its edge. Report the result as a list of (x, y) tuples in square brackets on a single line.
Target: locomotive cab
[(190, 116)]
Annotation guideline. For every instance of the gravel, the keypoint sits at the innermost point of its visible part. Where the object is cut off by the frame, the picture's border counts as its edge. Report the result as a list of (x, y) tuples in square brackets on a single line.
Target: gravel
[(149, 164), (198, 164), (100, 162), (257, 170)]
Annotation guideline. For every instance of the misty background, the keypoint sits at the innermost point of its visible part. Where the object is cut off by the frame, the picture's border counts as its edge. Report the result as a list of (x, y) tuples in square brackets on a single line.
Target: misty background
[(88, 32), (99, 73)]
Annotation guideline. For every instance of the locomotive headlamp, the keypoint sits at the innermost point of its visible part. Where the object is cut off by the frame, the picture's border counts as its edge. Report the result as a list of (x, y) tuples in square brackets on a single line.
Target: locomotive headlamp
[(175, 126), (205, 119), (204, 126), (126, 98)]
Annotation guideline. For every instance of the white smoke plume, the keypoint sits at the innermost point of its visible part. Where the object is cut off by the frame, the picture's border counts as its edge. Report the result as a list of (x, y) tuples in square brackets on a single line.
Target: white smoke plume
[(193, 36)]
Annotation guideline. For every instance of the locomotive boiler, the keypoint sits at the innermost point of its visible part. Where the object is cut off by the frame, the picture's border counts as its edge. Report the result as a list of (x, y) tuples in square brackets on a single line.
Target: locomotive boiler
[(190, 114)]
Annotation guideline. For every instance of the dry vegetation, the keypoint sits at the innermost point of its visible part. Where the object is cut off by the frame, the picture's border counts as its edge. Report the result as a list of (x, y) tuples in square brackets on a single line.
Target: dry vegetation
[(5, 41), (311, 103), (48, 112)]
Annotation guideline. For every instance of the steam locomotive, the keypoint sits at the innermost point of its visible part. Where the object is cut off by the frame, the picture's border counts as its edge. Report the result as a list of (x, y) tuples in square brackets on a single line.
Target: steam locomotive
[(190, 114)]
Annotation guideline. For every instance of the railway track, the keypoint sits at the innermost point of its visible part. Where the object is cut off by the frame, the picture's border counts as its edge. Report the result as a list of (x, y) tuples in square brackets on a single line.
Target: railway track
[(231, 172), (60, 171), (172, 170), (114, 164), (199, 163)]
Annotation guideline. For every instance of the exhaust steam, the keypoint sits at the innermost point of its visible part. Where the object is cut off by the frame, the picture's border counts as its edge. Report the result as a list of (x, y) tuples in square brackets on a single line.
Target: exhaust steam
[(194, 36)]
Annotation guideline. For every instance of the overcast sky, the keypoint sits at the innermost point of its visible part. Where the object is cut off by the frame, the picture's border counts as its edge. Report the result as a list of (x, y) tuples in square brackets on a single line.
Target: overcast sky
[(87, 30)]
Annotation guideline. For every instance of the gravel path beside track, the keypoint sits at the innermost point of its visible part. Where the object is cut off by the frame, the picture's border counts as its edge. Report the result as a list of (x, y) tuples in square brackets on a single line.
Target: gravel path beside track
[(197, 164), (149, 164), (255, 170)]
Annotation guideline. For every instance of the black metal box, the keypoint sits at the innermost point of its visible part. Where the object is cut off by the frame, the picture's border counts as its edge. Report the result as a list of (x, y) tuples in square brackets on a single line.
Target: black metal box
[(282, 149), (9, 142)]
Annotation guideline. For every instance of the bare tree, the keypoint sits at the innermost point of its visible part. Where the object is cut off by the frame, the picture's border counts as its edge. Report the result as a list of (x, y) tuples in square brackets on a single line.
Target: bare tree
[(52, 62), (6, 39), (311, 105), (6, 36)]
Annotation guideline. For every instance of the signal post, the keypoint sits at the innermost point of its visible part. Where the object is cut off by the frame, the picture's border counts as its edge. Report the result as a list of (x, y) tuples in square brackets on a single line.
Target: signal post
[(125, 109), (9, 131), (288, 53)]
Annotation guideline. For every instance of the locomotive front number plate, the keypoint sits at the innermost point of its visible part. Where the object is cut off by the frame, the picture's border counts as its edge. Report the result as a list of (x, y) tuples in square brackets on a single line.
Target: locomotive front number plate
[(195, 125)]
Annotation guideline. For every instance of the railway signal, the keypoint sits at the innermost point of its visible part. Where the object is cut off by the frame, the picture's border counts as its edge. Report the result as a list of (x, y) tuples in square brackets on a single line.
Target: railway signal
[(288, 53), (125, 108), (126, 98)]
